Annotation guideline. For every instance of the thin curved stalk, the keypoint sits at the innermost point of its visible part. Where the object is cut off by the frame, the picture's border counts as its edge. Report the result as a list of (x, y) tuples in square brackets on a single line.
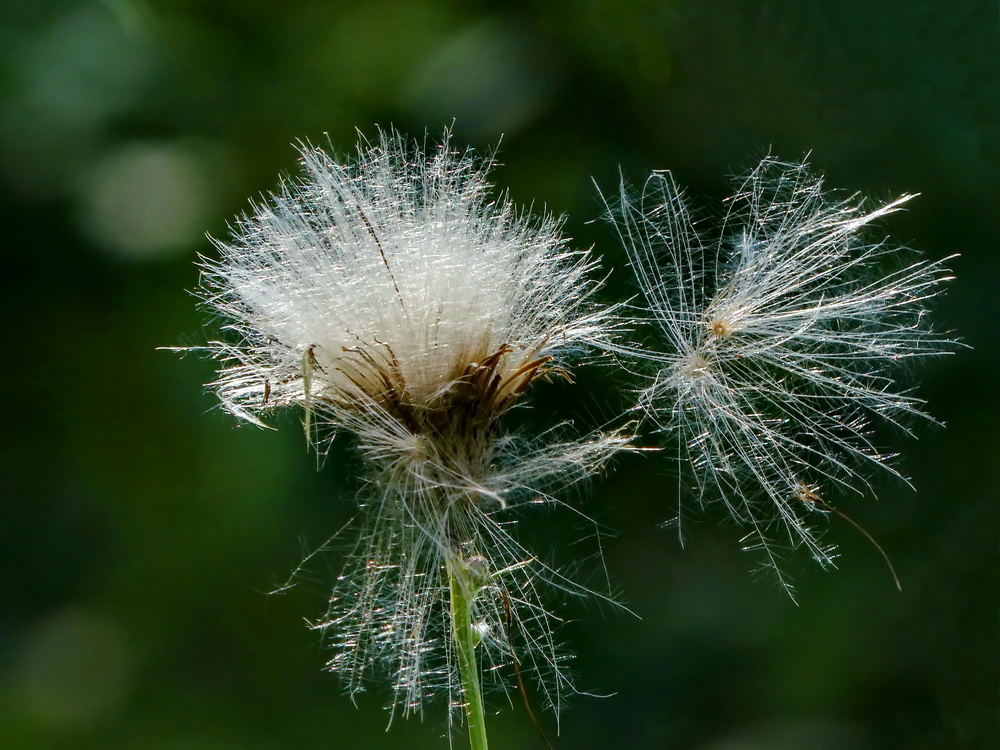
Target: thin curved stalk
[(462, 595)]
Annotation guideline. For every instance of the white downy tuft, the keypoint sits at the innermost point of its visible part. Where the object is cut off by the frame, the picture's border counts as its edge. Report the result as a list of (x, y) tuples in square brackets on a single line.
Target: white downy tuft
[(777, 344)]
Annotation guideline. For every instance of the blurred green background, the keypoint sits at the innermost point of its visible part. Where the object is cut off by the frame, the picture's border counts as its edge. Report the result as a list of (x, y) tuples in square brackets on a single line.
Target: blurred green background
[(140, 530)]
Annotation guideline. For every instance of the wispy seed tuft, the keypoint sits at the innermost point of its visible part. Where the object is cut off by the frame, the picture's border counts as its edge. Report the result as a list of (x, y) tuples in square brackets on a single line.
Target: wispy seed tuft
[(777, 343)]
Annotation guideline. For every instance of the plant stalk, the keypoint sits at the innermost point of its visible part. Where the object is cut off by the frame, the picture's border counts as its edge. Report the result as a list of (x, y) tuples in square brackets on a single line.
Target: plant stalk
[(463, 591)]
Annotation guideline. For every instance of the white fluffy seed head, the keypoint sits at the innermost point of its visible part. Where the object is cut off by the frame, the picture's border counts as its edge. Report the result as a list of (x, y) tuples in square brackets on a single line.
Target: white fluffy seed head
[(778, 343), (388, 280), (393, 298)]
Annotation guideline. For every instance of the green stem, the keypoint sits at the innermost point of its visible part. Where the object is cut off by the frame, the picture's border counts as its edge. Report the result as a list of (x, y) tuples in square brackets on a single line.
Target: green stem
[(462, 594)]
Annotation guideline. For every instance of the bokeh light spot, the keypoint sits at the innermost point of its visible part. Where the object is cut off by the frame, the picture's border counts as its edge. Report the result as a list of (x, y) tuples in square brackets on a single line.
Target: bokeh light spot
[(75, 669), (146, 201)]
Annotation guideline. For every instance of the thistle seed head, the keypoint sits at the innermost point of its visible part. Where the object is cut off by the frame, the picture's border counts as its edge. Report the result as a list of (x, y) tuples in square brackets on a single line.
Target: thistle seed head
[(391, 297)]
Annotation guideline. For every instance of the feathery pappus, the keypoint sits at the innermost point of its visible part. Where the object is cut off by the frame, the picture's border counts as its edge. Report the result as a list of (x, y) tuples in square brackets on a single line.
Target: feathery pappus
[(776, 343)]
